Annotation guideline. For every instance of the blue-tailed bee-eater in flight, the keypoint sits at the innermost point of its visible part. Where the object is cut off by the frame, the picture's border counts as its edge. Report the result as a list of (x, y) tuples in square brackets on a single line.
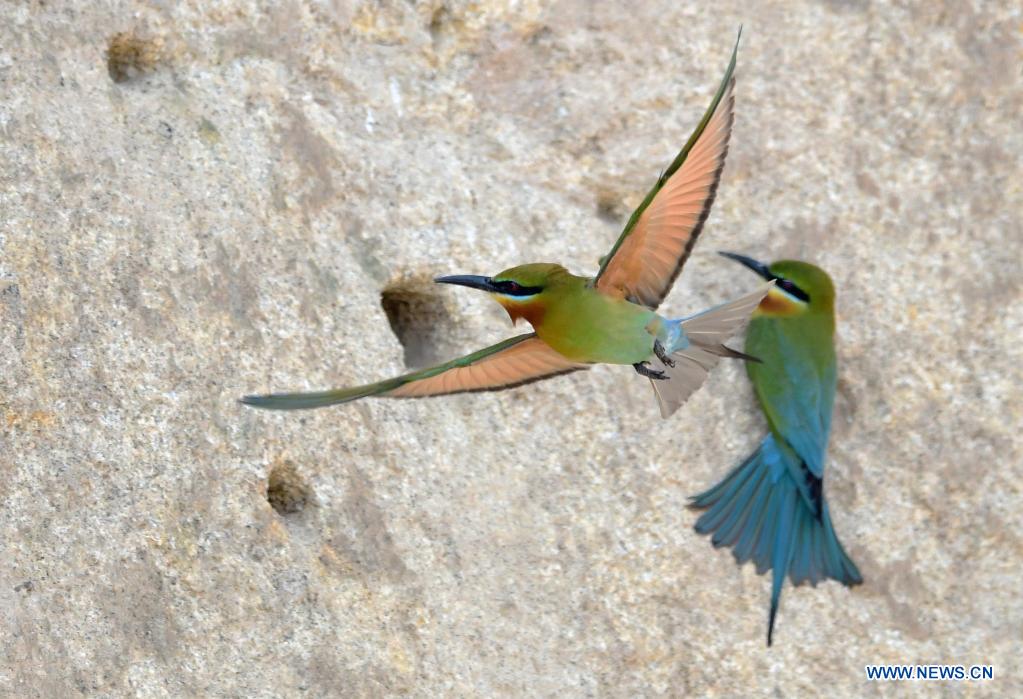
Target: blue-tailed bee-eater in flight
[(771, 508), (607, 318)]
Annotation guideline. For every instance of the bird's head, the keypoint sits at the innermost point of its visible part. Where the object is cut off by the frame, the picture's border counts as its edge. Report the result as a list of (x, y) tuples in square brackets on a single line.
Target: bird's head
[(799, 287), (523, 291)]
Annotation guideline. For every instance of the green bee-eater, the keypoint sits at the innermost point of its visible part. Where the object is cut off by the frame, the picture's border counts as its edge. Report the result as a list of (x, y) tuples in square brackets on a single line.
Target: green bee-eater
[(607, 318), (771, 508)]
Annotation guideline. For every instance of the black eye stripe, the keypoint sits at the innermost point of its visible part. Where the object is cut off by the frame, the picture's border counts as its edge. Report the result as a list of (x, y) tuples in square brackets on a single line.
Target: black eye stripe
[(515, 289), (790, 288)]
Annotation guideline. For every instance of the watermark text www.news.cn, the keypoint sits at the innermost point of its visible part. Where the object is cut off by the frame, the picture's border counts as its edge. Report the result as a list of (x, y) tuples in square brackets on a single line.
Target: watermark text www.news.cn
[(954, 673)]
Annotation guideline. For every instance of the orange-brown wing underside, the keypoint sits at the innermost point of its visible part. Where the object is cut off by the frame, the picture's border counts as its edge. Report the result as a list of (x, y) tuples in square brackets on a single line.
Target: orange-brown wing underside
[(513, 362), (528, 360), (648, 258)]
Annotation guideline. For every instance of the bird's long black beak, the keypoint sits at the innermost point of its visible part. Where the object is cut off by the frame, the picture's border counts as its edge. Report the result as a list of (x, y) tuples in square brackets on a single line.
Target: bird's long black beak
[(758, 267), (472, 281)]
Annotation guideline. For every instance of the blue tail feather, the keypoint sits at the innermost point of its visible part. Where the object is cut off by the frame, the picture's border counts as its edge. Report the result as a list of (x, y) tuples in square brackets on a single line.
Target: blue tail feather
[(786, 532), (759, 510), (766, 541), (744, 546), (727, 532)]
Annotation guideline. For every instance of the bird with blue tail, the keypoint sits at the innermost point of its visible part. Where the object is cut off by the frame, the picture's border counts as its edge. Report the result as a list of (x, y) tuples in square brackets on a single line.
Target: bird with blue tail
[(771, 508)]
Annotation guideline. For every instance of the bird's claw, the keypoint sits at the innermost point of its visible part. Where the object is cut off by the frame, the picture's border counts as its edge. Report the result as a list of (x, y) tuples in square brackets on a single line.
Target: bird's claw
[(663, 355), (643, 369)]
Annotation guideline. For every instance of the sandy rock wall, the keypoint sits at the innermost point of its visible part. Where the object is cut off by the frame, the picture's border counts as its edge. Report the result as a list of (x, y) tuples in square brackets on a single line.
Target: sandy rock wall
[(198, 202)]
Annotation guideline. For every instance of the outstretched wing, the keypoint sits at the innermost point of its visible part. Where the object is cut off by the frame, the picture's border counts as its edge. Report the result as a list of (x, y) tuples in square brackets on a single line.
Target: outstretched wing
[(513, 362), (649, 254)]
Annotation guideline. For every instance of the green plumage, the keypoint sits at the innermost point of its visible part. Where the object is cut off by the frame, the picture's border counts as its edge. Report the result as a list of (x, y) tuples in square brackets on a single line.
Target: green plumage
[(771, 508)]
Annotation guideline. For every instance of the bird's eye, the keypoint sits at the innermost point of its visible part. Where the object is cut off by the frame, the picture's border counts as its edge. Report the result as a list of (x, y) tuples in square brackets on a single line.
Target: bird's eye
[(512, 287)]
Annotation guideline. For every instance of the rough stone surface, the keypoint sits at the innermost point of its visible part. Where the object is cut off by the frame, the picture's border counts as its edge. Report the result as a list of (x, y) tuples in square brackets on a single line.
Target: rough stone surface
[(203, 200)]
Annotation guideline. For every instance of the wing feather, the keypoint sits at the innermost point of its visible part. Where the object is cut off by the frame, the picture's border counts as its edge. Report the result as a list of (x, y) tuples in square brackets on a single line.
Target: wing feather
[(524, 361), (513, 362), (657, 241)]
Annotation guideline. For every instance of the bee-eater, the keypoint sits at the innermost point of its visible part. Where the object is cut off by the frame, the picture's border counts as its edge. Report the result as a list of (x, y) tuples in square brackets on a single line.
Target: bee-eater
[(608, 318), (771, 508)]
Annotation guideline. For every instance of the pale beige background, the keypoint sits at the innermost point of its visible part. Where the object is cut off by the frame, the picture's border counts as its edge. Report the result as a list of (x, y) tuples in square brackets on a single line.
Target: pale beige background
[(226, 218)]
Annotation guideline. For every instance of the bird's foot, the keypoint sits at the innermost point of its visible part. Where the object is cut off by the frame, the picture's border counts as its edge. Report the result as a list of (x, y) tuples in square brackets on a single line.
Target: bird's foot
[(663, 355), (643, 369)]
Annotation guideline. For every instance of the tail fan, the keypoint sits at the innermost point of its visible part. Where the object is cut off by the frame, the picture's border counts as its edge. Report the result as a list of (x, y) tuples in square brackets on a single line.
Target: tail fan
[(758, 511), (706, 333)]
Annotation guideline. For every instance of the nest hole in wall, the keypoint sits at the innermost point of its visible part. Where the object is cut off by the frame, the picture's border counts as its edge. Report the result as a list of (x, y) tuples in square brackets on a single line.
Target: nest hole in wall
[(610, 207), (130, 56), (286, 490), (420, 320)]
